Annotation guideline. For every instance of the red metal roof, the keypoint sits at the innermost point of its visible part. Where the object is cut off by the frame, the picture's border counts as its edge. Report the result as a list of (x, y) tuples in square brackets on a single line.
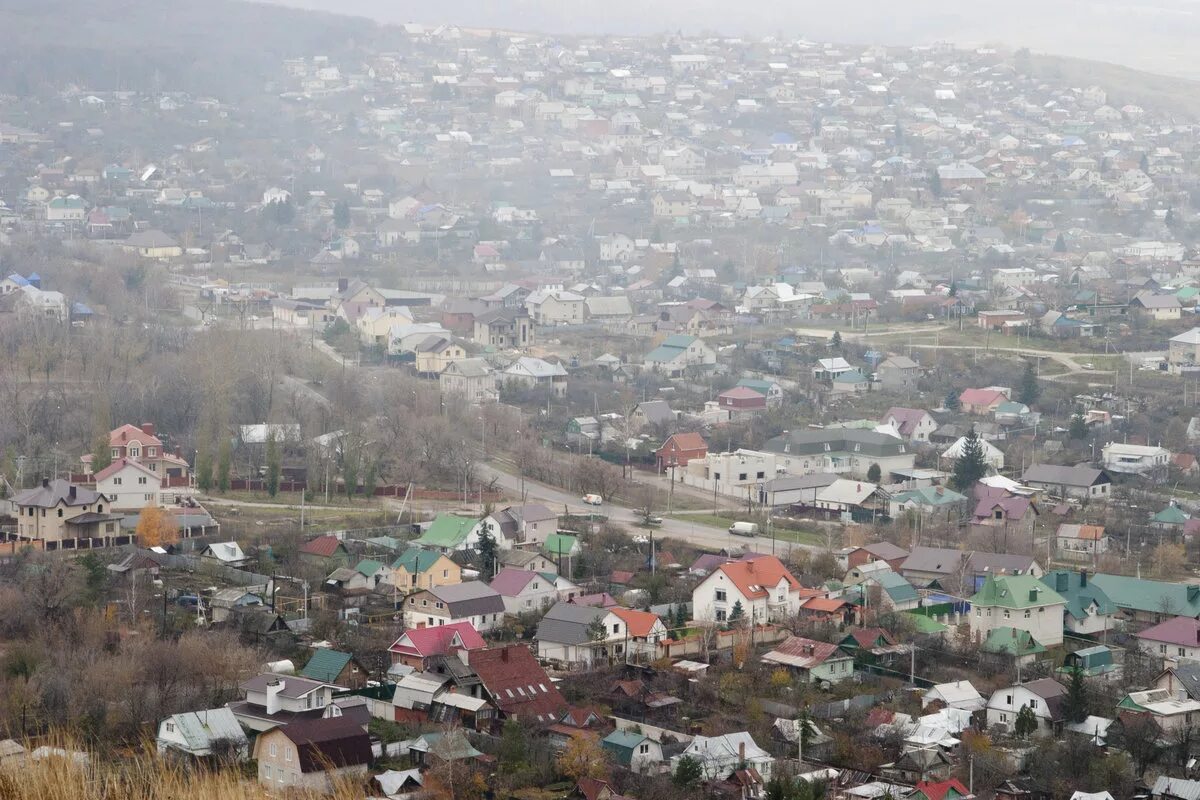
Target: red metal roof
[(438, 640), (324, 546)]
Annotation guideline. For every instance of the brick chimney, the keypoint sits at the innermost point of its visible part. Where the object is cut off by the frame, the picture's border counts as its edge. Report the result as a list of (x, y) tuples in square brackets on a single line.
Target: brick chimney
[(45, 483), (343, 284), (148, 428)]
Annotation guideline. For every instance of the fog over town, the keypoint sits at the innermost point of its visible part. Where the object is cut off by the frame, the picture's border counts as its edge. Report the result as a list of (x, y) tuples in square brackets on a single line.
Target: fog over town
[(599, 401)]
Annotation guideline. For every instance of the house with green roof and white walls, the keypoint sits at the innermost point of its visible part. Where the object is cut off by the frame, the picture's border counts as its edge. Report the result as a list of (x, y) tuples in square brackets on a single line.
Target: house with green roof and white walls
[(1146, 601), (450, 532), (1089, 609), (1020, 602)]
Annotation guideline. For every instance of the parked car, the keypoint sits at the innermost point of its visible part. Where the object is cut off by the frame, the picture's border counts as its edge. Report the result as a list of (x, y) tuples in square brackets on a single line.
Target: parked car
[(744, 529), (652, 521), (593, 499)]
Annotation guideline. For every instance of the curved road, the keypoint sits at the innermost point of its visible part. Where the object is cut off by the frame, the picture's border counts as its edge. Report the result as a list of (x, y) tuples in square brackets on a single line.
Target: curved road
[(705, 536)]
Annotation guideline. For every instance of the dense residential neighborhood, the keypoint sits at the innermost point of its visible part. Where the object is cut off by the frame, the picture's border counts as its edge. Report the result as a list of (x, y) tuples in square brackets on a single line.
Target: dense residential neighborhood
[(421, 411)]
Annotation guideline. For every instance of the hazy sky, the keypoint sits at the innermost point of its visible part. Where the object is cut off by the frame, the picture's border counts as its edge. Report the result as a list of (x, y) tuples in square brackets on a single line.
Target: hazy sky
[(1149, 34)]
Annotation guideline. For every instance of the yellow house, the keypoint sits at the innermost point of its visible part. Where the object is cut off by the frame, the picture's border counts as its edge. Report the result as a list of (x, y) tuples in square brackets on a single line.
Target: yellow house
[(60, 511), (418, 568), (436, 353), (375, 324)]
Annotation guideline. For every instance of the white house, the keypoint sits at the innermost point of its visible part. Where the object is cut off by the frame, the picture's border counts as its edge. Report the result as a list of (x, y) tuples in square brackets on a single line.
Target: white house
[(272, 699), (956, 694), (575, 634), (763, 587), (1041, 696), (525, 591), (129, 485), (993, 455), (195, 733), (555, 307), (738, 474), (720, 756), (1134, 459)]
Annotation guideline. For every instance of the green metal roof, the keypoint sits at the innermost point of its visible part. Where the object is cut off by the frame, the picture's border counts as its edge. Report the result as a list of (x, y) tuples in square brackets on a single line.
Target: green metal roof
[(1156, 597), (560, 544), (622, 744), (1079, 595), (1171, 515), (368, 567), (416, 559), (1012, 641), (447, 530), (1014, 591), (896, 587), (325, 665), (929, 496)]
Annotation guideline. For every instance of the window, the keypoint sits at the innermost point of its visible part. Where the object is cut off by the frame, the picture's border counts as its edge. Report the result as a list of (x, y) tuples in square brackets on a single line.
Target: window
[(716, 476), (170, 726), (616, 628), (266, 772), (741, 476), (60, 513), (1033, 703), (274, 750), (720, 615), (1008, 699), (287, 754), (1006, 614), (721, 596), (1162, 648), (1182, 652), (644, 748), (761, 475)]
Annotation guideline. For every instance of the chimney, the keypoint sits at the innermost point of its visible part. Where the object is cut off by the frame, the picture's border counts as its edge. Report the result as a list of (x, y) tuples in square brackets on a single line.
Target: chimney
[(343, 284), (148, 428), (742, 752), (45, 483), (71, 493), (273, 690), (1033, 595), (1083, 578), (1060, 581)]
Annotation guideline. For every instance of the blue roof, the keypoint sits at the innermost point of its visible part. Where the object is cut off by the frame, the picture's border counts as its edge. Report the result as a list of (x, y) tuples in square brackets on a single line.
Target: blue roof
[(18, 280)]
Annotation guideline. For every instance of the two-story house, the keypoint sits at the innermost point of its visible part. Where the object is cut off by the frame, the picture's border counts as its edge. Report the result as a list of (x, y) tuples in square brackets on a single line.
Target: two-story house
[(762, 587), (416, 646), (59, 511), (272, 699), (313, 755), (913, 424), (590, 635), (129, 486), (898, 374), (421, 568), (1044, 697), (1183, 351), (474, 602), (1134, 459), (1020, 602)]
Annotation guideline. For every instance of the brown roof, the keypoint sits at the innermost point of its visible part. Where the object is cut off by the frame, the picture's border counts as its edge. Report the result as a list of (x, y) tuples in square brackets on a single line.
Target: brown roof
[(324, 546), (329, 742), (517, 684)]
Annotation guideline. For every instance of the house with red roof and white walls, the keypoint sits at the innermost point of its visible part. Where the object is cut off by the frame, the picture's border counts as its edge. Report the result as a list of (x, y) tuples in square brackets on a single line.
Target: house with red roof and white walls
[(763, 586)]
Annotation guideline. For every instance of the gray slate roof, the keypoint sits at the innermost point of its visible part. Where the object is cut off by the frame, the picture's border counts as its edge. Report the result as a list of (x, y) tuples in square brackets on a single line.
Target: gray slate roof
[(566, 623), (470, 598)]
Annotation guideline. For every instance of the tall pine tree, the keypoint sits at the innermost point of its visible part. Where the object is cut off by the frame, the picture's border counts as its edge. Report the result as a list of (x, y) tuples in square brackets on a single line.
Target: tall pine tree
[(274, 467), (1076, 705), (970, 465), (1029, 391)]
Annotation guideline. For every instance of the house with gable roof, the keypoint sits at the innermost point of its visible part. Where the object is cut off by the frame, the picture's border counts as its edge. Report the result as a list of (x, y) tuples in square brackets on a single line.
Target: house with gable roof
[(525, 591), (763, 586), (416, 646), (913, 424), (571, 633), (449, 532), (129, 486), (1089, 610), (1020, 602), (200, 734), (678, 353), (473, 601), (422, 568)]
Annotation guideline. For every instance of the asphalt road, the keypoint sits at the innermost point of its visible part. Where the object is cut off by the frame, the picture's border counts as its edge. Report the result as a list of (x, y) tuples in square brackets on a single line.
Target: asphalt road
[(705, 536)]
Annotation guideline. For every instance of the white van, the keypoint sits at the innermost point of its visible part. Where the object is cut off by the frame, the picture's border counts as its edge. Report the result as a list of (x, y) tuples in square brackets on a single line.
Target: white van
[(744, 529), (593, 499)]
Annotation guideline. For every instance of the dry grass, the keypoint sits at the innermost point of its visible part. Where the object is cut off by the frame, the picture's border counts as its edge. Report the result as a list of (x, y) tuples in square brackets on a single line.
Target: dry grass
[(140, 776)]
